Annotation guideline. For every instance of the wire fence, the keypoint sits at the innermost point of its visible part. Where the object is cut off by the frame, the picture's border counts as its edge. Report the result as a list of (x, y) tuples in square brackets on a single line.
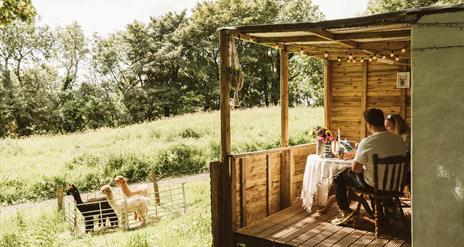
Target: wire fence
[(100, 216)]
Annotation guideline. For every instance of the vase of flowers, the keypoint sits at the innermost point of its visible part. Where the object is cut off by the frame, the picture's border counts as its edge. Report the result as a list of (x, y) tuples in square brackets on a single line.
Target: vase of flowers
[(324, 139)]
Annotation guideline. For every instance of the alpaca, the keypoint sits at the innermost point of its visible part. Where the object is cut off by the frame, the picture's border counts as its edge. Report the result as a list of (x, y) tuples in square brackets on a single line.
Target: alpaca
[(140, 190), (92, 207), (137, 203), (122, 182)]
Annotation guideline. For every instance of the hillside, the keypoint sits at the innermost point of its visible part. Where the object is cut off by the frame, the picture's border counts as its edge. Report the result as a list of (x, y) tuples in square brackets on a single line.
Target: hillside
[(31, 168)]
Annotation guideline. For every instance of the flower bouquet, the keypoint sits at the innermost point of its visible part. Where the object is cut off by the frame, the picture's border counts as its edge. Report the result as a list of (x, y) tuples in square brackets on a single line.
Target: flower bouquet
[(324, 138)]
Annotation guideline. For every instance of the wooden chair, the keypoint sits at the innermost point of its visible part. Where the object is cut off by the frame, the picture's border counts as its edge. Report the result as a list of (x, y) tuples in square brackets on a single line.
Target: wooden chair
[(391, 189)]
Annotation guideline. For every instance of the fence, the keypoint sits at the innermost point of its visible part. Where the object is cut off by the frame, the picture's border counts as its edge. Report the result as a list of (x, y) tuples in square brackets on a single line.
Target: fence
[(163, 201)]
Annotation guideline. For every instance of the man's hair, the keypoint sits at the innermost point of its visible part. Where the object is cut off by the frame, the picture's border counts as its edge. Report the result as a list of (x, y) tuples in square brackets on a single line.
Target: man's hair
[(375, 117)]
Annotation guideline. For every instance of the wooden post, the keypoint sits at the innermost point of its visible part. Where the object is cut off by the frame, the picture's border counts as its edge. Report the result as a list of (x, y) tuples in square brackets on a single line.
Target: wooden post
[(216, 200), (59, 197), (283, 97), (268, 185), (404, 95), (243, 195), (285, 179), (226, 238), (155, 187), (363, 99), (327, 94)]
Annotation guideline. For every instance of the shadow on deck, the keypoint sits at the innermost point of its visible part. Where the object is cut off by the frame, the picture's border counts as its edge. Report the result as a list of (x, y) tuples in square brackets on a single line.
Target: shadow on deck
[(295, 227)]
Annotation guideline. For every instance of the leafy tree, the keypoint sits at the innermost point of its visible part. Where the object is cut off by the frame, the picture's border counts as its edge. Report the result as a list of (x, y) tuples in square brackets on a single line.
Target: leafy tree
[(11, 10), (381, 6), (72, 48)]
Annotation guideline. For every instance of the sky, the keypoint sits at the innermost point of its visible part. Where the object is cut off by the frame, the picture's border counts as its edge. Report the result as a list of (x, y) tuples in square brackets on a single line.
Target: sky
[(106, 16)]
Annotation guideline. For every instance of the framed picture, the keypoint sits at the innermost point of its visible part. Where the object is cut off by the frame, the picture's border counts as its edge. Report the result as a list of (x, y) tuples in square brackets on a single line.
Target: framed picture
[(402, 80)]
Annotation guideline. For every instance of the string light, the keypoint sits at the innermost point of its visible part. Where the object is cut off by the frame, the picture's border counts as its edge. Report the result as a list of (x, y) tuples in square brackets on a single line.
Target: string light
[(375, 56), (397, 58), (403, 50), (362, 59), (354, 60), (326, 54), (370, 59), (301, 52), (392, 54), (348, 60), (351, 56), (339, 59), (383, 57)]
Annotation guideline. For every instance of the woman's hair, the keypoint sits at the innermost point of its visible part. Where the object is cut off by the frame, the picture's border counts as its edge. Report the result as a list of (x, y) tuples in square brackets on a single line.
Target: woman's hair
[(401, 127)]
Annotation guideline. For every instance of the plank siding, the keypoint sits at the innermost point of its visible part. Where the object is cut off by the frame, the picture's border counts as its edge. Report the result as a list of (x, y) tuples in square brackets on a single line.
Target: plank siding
[(348, 100)]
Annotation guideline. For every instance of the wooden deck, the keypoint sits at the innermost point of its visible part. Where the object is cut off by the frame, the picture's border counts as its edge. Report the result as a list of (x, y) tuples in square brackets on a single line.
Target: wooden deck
[(295, 227)]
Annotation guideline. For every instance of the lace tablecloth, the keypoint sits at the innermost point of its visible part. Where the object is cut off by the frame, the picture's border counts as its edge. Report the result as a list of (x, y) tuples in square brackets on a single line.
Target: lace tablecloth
[(317, 178)]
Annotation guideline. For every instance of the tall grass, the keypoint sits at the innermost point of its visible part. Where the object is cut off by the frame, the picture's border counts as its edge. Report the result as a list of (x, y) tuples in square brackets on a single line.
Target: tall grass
[(45, 227), (31, 168)]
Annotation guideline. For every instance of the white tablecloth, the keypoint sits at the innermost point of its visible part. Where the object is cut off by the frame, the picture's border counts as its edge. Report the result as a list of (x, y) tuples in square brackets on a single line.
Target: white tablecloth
[(317, 178)]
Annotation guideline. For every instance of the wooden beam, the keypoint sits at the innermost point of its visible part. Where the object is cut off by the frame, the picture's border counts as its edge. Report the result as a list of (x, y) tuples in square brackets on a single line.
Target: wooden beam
[(331, 37), (327, 94), (375, 35), (243, 197), (268, 185), (363, 98), (401, 34), (224, 50), (216, 202), (283, 97)]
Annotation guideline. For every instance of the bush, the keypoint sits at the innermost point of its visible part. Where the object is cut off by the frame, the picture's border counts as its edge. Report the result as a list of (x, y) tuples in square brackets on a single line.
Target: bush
[(180, 160), (129, 166), (190, 133), (45, 187)]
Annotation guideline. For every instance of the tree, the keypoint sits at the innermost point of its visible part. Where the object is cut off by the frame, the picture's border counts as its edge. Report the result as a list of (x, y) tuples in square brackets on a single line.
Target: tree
[(381, 6), (12, 10), (72, 49)]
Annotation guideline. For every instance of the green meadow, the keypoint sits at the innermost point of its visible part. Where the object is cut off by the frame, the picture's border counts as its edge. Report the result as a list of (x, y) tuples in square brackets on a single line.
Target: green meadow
[(32, 168)]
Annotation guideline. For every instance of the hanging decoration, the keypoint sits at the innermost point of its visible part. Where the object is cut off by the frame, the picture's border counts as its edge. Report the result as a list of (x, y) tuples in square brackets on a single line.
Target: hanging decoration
[(236, 74)]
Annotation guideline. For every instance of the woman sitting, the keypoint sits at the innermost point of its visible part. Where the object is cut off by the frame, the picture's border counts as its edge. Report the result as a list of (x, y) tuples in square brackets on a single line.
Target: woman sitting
[(396, 124)]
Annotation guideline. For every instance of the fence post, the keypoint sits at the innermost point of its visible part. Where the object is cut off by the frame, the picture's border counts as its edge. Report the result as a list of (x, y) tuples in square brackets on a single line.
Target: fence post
[(59, 197), (155, 187), (185, 202)]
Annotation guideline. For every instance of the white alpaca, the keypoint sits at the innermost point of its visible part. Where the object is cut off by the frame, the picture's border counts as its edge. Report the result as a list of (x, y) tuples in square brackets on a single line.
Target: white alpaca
[(138, 204)]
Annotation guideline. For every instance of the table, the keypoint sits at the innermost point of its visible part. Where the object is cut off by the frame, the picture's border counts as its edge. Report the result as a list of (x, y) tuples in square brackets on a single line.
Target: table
[(317, 178)]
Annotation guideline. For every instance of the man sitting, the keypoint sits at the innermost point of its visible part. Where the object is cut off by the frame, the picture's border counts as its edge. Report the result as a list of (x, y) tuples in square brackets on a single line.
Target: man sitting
[(361, 173)]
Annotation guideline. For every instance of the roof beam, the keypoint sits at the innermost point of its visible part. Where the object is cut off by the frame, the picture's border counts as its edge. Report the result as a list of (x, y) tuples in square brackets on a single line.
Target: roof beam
[(374, 35), (331, 37)]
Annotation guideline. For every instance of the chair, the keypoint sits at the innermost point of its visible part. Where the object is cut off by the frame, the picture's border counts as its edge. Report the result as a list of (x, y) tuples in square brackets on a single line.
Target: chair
[(391, 189)]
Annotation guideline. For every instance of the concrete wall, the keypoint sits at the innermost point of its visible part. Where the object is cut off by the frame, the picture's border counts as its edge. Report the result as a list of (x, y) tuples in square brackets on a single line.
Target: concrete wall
[(438, 132)]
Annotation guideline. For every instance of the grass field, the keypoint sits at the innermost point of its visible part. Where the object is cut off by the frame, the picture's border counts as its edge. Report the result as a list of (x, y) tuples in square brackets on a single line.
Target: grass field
[(31, 168), (45, 227)]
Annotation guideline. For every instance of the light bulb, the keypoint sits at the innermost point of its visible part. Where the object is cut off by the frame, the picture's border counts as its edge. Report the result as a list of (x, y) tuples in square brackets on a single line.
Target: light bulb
[(392, 54), (339, 59), (370, 59), (375, 57), (403, 50), (362, 59), (351, 56), (383, 57), (397, 58), (326, 55), (301, 52)]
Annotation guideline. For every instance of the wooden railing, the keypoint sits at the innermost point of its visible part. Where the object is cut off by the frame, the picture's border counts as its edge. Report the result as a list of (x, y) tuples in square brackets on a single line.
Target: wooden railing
[(255, 185)]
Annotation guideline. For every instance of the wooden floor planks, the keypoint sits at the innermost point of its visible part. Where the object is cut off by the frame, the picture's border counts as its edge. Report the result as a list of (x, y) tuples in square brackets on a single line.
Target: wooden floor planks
[(295, 227)]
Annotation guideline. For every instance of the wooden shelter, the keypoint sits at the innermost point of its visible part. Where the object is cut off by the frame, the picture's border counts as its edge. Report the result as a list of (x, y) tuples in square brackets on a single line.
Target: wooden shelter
[(362, 57)]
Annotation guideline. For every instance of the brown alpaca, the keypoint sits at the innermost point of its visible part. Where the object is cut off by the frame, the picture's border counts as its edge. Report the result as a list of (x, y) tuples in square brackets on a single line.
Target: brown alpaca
[(122, 183)]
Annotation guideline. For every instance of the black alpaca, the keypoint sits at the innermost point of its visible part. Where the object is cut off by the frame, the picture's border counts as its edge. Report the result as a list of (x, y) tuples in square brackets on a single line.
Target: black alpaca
[(93, 207)]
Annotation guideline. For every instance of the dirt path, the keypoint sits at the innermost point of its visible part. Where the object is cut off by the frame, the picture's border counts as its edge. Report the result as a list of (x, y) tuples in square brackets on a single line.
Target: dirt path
[(6, 210)]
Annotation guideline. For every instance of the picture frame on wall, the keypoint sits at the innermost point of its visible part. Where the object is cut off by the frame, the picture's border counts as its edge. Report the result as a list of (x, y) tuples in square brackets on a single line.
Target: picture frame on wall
[(403, 80)]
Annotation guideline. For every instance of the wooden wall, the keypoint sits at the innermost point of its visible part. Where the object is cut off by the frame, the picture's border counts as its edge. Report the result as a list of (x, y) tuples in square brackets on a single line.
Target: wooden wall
[(266, 182), (355, 87)]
